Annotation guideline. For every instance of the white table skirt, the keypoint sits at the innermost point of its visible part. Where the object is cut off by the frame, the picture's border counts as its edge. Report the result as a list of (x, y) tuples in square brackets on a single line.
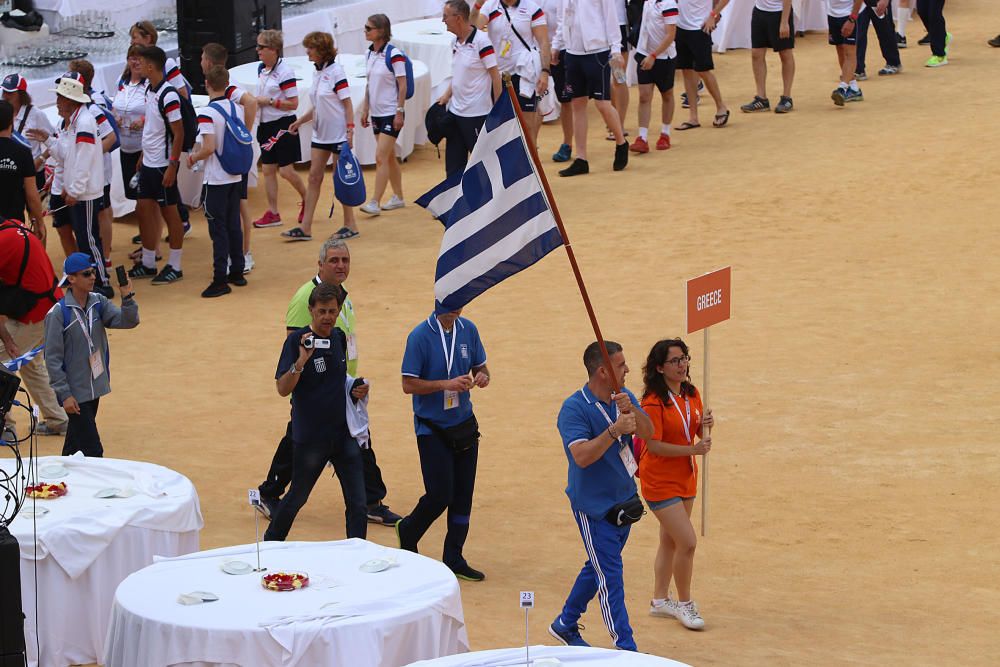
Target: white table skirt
[(429, 41), (565, 655), (411, 611), (87, 546), (413, 132), (733, 31)]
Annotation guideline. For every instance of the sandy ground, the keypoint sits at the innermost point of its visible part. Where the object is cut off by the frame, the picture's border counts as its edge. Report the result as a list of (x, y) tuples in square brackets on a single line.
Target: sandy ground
[(855, 386)]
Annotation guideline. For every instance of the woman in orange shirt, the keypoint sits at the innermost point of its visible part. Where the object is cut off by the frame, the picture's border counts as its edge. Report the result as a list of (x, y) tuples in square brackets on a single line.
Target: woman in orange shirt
[(669, 474)]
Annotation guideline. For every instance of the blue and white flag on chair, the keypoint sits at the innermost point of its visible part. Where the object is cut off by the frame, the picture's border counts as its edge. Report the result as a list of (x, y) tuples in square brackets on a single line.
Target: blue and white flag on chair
[(497, 218)]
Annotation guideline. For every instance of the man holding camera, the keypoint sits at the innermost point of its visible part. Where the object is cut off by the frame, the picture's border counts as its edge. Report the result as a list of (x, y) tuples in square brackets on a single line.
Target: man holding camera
[(313, 369), (443, 361), (596, 426)]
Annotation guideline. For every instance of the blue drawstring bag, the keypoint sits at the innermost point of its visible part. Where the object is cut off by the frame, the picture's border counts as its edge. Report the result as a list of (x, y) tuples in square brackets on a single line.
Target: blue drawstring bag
[(348, 181)]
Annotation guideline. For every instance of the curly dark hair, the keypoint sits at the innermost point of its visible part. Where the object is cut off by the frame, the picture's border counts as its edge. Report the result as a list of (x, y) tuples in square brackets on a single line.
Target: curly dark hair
[(652, 380)]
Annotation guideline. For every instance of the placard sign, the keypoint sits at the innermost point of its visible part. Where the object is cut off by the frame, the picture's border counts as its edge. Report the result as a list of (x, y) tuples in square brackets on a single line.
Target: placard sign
[(709, 299)]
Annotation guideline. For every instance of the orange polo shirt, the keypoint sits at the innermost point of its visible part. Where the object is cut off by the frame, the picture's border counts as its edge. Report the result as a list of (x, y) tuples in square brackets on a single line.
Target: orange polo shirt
[(666, 477)]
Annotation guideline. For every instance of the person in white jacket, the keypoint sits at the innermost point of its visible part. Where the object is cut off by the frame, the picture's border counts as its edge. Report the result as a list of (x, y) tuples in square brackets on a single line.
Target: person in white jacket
[(78, 152), (590, 35)]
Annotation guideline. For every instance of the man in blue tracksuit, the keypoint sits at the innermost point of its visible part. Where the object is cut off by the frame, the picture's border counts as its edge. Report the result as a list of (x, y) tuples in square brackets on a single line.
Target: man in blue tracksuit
[(596, 426)]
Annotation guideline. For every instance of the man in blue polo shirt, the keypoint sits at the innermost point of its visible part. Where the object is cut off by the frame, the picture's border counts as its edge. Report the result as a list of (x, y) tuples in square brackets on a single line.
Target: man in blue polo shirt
[(596, 426), (443, 361)]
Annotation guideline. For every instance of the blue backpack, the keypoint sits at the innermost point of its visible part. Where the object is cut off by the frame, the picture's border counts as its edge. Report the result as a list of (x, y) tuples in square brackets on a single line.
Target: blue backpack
[(105, 106), (409, 68), (236, 157)]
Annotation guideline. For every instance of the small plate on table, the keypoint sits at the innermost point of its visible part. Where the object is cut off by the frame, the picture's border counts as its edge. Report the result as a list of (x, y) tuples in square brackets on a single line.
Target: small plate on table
[(36, 513), (236, 567), (114, 492), (53, 471), (284, 581), (197, 597), (377, 565)]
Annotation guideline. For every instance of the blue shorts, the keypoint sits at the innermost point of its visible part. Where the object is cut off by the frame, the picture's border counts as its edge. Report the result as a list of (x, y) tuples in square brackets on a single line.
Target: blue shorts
[(383, 125), (836, 24), (151, 186), (660, 504), (589, 75)]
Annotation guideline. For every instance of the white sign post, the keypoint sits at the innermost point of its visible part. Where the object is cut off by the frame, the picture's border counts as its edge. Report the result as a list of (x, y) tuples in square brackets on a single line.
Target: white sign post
[(527, 602), (254, 496)]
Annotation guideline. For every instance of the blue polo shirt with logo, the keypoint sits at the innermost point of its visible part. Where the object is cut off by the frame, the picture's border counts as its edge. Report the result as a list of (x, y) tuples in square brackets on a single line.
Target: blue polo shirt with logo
[(594, 490), (425, 358)]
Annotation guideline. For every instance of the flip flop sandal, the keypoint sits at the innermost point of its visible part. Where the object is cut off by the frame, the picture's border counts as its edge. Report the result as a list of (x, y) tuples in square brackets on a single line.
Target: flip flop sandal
[(296, 234), (721, 119), (345, 233), (686, 125)]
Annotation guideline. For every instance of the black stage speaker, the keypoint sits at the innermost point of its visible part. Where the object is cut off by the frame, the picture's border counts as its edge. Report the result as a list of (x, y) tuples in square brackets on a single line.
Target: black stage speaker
[(11, 616), (233, 23)]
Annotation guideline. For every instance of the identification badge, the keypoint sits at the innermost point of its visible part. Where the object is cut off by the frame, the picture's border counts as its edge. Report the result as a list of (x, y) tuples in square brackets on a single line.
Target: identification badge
[(505, 46), (450, 399), (625, 452), (352, 347), (96, 365)]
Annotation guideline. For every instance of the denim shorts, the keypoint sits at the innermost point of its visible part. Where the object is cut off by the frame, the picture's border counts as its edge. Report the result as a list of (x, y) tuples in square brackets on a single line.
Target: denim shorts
[(660, 504)]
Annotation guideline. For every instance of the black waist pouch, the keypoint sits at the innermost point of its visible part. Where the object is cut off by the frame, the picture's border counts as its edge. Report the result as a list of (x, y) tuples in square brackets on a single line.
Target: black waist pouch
[(626, 513), (460, 438)]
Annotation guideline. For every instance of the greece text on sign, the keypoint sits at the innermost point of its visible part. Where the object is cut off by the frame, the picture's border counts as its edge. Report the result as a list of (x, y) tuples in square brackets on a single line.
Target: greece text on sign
[(709, 299)]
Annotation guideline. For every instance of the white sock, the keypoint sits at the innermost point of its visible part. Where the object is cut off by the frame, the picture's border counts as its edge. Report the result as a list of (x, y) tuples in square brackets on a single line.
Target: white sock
[(665, 129), (175, 259), (843, 85), (854, 85), (149, 258), (902, 20), (643, 133), (659, 602)]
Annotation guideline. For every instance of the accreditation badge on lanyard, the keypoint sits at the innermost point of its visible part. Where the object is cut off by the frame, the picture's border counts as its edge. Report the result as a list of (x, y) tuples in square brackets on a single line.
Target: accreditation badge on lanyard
[(685, 422), (450, 397), (352, 341), (96, 363), (624, 451)]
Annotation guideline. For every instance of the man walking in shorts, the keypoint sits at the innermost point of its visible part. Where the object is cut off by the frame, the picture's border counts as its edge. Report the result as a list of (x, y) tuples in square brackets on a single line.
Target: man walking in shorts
[(842, 18), (695, 24), (772, 26)]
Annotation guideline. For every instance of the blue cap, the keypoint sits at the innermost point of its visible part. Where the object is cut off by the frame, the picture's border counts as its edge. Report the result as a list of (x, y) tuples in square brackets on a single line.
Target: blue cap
[(77, 262)]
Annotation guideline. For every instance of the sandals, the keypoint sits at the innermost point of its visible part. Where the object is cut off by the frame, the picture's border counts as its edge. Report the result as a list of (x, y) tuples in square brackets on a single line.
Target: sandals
[(345, 233), (296, 234), (688, 125), (721, 119)]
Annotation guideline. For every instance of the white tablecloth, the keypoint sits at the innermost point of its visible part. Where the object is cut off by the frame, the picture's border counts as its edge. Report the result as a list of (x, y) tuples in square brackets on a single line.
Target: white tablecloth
[(86, 546), (566, 655), (411, 611), (430, 42), (733, 30), (413, 132), (124, 12)]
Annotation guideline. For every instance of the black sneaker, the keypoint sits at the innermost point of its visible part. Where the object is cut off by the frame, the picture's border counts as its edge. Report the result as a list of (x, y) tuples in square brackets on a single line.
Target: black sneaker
[(404, 543), (900, 41), (383, 515), (758, 103), (621, 156), (216, 289), (784, 105), (578, 166), (995, 42), (861, 76), (105, 290), (925, 40), (168, 275), (236, 279), (137, 239), (268, 507), (568, 635), (467, 573), (140, 270)]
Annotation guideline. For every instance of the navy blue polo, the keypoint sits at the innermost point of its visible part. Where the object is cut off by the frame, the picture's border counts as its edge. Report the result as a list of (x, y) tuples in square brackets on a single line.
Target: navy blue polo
[(319, 399)]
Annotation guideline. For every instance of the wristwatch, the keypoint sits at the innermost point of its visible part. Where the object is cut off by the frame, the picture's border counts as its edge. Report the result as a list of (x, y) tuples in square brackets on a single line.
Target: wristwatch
[(400, 110), (296, 371)]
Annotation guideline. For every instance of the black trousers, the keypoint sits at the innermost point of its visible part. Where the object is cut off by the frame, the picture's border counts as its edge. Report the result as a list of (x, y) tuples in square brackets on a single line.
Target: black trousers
[(280, 473), (81, 433), (308, 461), (88, 235), (449, 482), (222, 211), (932, 14), (885, 30), (461, 139)]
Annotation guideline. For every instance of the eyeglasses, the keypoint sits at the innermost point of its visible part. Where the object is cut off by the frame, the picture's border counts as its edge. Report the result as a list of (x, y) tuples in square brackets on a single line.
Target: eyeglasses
[(89, 273), (676, 361), (262, 46), (369, 28)]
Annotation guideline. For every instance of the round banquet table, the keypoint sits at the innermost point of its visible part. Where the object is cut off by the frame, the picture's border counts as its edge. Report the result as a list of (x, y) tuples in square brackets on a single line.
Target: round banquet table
[(428, 41), (565, 655), (413, 132), (411, 611), (86, 546)]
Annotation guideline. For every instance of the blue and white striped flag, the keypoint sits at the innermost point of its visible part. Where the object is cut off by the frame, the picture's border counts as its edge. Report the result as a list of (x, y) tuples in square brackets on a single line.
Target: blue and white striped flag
[(14, 365), (497, 218)]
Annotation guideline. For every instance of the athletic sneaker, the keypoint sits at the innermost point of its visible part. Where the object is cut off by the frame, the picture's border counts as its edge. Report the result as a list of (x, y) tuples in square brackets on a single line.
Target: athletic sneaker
[(404, 543), (51, 428), (140, 270), (861, 76), (640, 145), (900, 41), (577, 167), (137, 239), (248, 263), (839, 95), (784, 105), (995, 42), (269, 219), (105, 290), (889, 70), (684, 95), (371, 208), (168, 275), (687, 614), (925, 40), (268, 506), (216, 289), (947, 42), (854, 95), (467, 573), (383, 515), (663, 143), (236, 279), (936, 61), (394, 203), (758, 103), (568, 635), (564, 153), (666, 610), (621, 156)]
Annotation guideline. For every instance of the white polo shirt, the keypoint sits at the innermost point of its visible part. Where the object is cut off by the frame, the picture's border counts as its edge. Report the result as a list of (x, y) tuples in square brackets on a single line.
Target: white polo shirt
[(693, 14), (211, 122), (524, 16), (471, 85), (768, 5), (328, 92), (656, 16), (129, 106), (277, 83), (154, 133), (839, 8), (383, 93)]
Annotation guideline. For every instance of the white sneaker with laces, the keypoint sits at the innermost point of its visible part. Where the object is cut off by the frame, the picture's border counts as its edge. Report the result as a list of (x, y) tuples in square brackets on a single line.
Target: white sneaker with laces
[(393, 203), (371, 208), (665, 610), (248, 263), (687, 614)]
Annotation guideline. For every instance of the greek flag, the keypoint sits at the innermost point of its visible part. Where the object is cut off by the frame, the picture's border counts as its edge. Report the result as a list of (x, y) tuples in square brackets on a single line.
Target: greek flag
[(15, 364), (497, 218)]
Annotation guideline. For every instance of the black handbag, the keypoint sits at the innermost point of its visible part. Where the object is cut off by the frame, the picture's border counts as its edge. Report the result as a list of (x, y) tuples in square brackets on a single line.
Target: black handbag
[(626, 513), (460, 438)]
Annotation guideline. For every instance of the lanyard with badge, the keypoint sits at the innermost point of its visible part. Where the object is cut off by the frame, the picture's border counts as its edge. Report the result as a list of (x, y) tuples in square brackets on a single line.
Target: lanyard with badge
[(624, 451), (450, 397), (685, 421), (352, 343), (96, 363)]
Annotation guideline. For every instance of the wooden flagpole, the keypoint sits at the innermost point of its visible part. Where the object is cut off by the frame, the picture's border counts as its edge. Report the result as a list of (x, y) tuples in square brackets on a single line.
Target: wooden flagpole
[(706, 434), (533, 151)]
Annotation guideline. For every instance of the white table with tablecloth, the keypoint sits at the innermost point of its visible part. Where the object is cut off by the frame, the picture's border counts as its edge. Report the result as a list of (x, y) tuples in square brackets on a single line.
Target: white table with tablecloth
[(428, 41), (551, 656), (413, 132), (75, 555), (345, 616)]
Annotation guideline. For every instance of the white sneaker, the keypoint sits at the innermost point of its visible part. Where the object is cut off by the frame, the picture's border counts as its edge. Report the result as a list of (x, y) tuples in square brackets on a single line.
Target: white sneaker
[(394, 202), (687, 614), (665, 610), (248, 263), (371, 208)]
